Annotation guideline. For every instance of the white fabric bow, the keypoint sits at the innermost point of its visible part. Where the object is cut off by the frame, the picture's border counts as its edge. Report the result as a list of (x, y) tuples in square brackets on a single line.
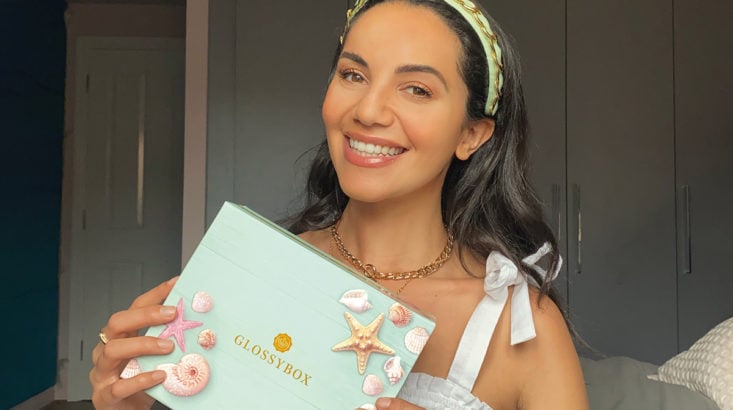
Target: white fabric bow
[(501, 273)]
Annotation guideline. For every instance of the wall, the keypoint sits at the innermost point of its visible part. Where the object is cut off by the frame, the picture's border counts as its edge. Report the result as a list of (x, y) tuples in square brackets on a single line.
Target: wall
[(32, 49), (98, 20)]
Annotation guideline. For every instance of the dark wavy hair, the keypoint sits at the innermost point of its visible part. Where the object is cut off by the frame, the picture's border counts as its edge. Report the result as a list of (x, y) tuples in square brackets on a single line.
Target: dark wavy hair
[(487, 202)]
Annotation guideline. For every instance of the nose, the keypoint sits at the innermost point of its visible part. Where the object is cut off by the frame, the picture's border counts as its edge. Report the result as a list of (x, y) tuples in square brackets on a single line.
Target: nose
[(374, 107)]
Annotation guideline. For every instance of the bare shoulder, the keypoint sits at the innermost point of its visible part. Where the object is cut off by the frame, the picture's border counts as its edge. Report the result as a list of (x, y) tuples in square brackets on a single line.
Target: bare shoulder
[(552, 377)]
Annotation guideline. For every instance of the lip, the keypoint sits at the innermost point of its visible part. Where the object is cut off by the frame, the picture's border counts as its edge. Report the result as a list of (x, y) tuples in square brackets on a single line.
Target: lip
[(375, 161)]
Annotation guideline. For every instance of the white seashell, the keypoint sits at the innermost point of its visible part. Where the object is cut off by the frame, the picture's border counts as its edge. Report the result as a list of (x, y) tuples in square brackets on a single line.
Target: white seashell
[(188, 377), (207, 339), (202, 302), (393, 367), (367, 406), (356, 300), (372, 385), (131, 370), (400, 315), (416, 339)]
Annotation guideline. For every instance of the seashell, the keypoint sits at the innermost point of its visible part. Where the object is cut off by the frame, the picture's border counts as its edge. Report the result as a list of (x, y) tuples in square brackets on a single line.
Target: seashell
[(372, 385), (393, 367), (367, 406), (356, 300), (202, 302), (400, 315), (188, 377), (207, 339), (416, 339), (131, 370)]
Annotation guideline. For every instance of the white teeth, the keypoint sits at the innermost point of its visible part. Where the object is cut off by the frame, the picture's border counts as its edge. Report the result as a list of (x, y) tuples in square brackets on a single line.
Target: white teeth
[(365, 149)]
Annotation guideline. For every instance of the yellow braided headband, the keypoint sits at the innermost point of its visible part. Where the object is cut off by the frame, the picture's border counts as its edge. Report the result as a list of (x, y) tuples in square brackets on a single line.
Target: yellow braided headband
[(481, 25)]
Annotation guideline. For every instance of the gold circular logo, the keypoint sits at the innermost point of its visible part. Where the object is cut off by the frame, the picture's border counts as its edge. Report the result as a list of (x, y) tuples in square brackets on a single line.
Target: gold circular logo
[(282, 342)]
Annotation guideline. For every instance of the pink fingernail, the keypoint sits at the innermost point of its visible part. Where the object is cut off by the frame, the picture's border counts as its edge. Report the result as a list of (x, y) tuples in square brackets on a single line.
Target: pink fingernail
[(383, 402), (173, 280), (165, 343), (159, 375), (168, 310)]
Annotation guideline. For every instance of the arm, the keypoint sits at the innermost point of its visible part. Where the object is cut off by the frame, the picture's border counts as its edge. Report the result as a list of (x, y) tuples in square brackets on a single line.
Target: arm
[(552, 376)]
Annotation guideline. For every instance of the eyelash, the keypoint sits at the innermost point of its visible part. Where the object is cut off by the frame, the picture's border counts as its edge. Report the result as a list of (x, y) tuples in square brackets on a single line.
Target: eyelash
[(349, 74), (424, 92), (346, 73)]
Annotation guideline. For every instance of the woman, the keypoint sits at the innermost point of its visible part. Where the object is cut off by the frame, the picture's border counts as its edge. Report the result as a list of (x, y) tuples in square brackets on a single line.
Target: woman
[(424, 156)]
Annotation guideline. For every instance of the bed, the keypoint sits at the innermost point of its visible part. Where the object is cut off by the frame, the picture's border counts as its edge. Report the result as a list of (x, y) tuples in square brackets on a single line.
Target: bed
[(700, 378)]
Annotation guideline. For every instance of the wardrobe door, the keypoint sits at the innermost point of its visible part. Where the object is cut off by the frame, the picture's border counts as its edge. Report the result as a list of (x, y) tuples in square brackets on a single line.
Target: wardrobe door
[(538, 31), (704, 133), (620, 158), (269, 64)]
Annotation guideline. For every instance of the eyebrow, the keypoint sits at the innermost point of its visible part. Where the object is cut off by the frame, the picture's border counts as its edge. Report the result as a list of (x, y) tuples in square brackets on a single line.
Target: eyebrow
[(355, 58), (416, 68), (409, 68)]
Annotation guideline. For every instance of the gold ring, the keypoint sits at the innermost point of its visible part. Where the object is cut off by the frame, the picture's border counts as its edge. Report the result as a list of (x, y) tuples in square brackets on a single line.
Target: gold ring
[(103, 337)]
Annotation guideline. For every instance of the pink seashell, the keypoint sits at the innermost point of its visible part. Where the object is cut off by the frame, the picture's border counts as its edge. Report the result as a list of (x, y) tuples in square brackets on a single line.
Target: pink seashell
[(400, 315), (372, 385), (202, 302), (131, 370), (188, 377), (393, 367), (367, 406), (416, 339), (356, 300), (207, 339)]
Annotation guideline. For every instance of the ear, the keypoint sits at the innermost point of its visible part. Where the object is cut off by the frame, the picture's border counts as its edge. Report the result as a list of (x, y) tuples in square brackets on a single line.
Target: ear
[(474, 136)]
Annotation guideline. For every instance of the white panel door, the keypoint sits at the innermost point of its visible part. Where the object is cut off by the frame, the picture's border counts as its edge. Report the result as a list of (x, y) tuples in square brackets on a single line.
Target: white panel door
[(126, 233)]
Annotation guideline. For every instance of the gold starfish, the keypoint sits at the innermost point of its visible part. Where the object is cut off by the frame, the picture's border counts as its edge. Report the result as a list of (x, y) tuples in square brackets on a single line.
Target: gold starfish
[(363, 340)]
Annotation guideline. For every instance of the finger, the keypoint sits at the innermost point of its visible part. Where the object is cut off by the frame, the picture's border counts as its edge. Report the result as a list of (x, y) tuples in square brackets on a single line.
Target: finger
[(390, 403), (112, 359), (128, 322), (156, 295), (124, 388)]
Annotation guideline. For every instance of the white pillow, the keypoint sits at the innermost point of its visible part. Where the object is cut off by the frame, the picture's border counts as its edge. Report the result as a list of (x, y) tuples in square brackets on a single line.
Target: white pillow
[(707, 367)]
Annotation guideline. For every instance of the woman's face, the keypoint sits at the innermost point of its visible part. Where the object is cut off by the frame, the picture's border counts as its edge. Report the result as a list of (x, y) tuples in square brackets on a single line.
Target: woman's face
[(395, 111)]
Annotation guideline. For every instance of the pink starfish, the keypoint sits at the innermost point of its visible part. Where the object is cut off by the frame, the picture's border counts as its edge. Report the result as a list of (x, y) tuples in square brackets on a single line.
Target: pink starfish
[(177, 326)]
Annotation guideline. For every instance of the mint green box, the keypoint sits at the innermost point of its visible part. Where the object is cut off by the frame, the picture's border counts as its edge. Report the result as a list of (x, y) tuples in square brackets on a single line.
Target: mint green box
[(286, 321)]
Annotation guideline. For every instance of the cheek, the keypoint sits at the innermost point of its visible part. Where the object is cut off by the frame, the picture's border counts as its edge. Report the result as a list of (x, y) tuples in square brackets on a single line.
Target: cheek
[(330, 109)]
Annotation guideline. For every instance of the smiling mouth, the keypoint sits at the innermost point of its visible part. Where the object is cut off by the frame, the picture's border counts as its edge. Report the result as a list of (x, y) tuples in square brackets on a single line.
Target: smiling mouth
[(371, 150)]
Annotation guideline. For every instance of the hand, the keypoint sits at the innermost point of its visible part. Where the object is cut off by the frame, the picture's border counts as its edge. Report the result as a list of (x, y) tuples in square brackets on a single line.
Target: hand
[(390, 403), (109, 391)]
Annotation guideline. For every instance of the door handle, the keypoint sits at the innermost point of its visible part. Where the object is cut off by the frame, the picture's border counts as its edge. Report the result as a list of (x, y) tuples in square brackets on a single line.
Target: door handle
[(687, 231), (556, 209), (579, 221)]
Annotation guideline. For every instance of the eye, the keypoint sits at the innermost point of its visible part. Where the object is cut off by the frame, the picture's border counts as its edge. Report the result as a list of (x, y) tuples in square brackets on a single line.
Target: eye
[(419, 91), (351, 76)]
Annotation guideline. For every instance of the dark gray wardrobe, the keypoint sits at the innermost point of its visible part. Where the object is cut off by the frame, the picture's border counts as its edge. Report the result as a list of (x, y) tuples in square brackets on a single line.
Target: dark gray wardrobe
[(631, 145), (631, 157), (704, 163)]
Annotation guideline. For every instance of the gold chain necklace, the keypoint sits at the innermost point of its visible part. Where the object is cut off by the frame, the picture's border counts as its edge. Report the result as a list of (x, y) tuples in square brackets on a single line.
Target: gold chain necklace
[(370, 271)]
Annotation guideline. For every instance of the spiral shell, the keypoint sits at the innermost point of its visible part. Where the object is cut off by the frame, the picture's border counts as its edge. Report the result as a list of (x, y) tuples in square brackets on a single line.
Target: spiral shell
[(131, 370), (356, 300), (393, 368), (416, 339), (188, 377), (207, 339), (400, 315), (202, 302), (372, 385)]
